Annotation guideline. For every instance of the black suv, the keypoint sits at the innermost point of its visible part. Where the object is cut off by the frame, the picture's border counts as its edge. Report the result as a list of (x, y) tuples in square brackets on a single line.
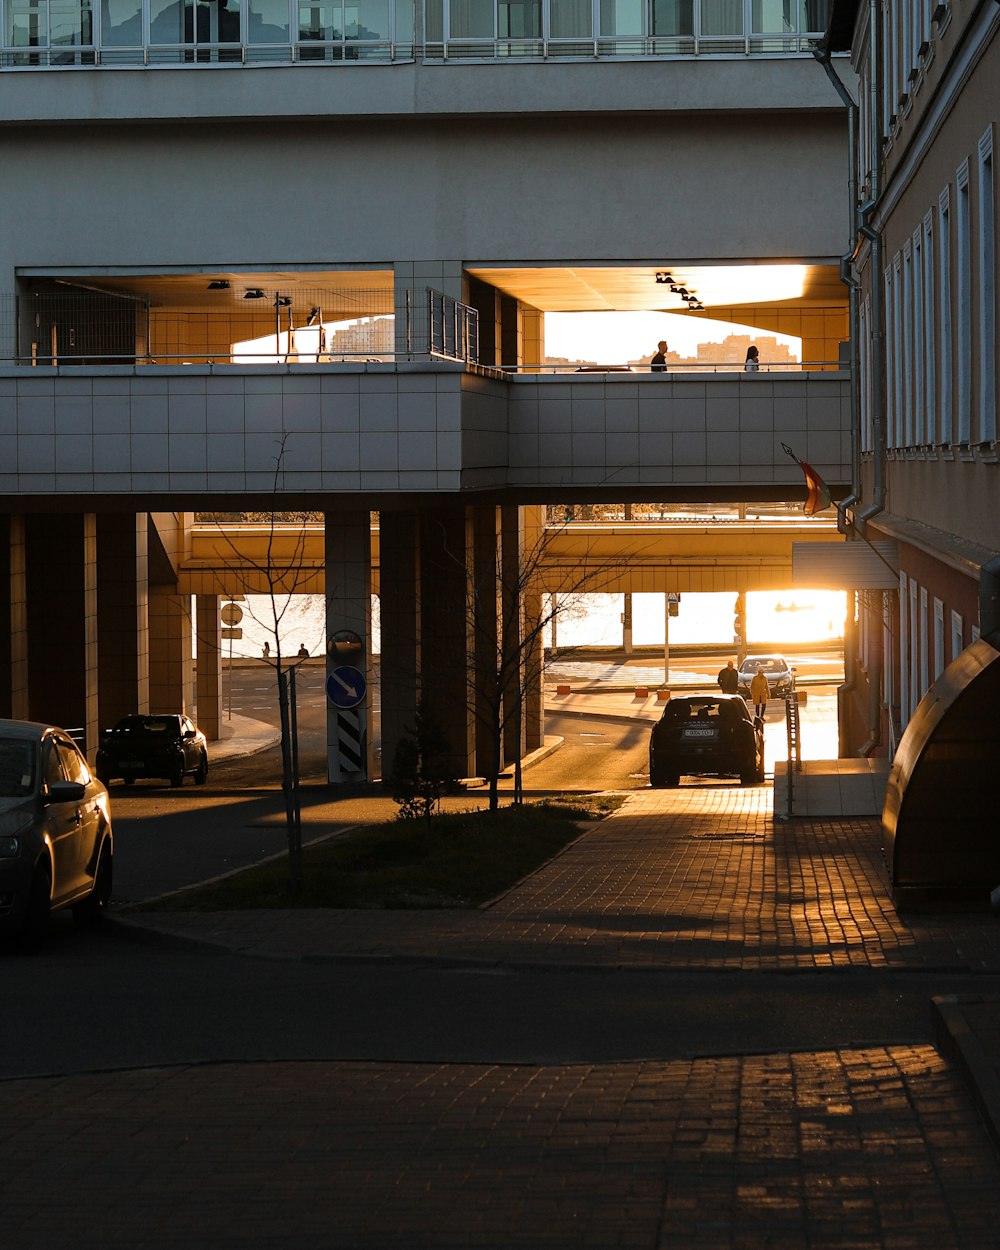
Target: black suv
[(171, 747), (707, 735)]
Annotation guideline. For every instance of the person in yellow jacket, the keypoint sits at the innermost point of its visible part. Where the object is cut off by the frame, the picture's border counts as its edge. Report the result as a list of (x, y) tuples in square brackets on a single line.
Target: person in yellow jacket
[(760, 692)]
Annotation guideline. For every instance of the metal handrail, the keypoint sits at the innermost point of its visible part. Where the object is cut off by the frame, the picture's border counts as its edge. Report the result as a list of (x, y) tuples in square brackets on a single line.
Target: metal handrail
[(348, 50)]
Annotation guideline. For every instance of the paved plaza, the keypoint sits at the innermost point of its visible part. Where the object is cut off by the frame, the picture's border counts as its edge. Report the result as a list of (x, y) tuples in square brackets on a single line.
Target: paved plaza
[(874, 1145)]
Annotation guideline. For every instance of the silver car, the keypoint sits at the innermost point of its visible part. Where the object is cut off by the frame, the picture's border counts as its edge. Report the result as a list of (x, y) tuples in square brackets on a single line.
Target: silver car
[(779, 673), (56, 846)]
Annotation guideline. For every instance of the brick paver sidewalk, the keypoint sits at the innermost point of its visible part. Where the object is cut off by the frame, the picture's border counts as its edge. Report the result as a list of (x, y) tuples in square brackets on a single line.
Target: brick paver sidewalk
[(846, 1149), (838, 1150), (696, 877)]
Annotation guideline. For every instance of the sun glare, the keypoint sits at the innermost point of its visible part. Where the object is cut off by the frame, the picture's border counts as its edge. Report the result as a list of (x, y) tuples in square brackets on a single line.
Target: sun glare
[(796, 616)]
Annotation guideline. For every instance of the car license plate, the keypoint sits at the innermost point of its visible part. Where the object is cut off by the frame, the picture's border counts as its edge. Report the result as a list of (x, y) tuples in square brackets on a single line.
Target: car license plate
[(699, 731)]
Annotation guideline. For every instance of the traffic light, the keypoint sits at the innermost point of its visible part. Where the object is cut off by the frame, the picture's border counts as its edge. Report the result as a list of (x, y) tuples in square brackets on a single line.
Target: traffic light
[(738, 620)]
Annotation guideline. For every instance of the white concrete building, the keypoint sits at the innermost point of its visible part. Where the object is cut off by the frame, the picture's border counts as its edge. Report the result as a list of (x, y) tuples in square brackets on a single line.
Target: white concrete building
[(199, 198)]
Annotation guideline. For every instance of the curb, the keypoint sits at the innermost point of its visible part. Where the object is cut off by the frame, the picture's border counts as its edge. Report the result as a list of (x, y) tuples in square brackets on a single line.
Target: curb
[(957, 1039)]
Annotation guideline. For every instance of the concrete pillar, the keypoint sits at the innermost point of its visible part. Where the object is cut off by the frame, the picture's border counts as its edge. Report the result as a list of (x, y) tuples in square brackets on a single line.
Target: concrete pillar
[(487, 302), (122, 616), (14, 626), (400, 657), (61, 597), (348, 617), (511, 608), (534, 660), (511, 331), (446, 628), (209, 666), (170, 662), (486, 596), (532, 337)]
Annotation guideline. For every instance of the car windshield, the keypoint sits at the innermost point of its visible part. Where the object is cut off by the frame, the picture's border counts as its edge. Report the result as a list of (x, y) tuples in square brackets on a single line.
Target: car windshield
[(708, 710), (17, 767), (148, 727), (765, 664)]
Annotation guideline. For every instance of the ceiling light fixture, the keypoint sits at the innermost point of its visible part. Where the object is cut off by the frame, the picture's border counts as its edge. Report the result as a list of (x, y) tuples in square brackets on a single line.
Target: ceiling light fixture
[(663, 277), (254, 293), (219, 284), (282, 301), (314, 316)]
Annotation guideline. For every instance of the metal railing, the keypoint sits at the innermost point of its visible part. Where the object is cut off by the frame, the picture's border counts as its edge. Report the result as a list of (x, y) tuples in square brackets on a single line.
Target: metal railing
[(793, 735), (438, 325), (352, 50), (619, 47), (217, 323), (686, 367), (214, 324)]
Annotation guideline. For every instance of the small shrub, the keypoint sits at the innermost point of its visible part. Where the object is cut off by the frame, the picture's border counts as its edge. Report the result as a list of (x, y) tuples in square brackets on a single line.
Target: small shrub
[(422, 768)]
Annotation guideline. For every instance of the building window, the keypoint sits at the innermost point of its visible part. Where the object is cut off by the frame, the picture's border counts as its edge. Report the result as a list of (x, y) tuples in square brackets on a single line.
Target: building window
[(964, 327), (987, 294), (914, 657), (896, 305), (908, 299), (944, 282), (938, 638), (271, 29), (957, 635), (904, 653), (864, 348), (924, 681), (929, 346)]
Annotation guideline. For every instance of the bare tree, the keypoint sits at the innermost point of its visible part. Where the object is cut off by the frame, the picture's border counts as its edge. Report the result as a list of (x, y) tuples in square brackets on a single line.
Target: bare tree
[(282, 571), (512, 602)]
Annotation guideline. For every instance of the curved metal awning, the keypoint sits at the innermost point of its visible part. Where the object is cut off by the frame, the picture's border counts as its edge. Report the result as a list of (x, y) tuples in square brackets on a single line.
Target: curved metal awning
[(940, 820)]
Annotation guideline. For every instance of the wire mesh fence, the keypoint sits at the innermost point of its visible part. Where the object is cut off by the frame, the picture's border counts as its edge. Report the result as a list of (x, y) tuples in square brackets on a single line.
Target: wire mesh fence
[(248, 326), (217, 324)]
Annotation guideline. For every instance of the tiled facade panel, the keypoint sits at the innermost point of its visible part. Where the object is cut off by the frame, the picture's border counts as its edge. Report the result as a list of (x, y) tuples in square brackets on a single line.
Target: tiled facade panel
[(394, 429), (601, 429)]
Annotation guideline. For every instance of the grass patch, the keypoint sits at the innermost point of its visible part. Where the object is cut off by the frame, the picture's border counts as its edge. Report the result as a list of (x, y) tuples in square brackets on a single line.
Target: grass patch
[(463, 859)]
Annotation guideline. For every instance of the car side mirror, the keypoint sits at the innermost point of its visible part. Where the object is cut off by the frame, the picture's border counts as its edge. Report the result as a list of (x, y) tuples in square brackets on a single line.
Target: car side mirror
[(188, 733), (65, 791)]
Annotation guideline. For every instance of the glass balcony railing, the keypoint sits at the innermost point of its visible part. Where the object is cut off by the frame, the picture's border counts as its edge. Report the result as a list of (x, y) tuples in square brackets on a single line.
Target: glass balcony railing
[(76, 33)]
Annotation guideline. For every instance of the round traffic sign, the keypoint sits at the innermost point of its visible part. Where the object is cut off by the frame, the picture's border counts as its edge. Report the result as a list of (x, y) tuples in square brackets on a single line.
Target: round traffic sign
[(232, 614), (345, 686)]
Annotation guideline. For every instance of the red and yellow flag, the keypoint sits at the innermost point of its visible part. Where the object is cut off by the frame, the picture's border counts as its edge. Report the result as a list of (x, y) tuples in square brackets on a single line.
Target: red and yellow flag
[(818, 496)]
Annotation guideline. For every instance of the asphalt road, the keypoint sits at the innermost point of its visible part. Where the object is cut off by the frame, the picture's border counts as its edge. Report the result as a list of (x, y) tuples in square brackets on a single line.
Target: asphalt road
[(111, 1000), (120, 999)]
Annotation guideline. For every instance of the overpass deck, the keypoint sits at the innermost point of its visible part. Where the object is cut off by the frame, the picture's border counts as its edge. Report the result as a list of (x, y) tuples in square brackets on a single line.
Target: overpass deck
[(634, 557)]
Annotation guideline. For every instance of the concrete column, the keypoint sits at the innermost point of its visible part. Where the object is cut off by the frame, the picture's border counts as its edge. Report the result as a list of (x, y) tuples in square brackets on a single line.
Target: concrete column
[(511, 607), (511, 331), (14, 627), (170, 663), (399, 597), (534, 660), (122, 616), (348, 616), (532, 337), (486, 594), (446, 628), (209, 666), (61, 585), (487, 302)]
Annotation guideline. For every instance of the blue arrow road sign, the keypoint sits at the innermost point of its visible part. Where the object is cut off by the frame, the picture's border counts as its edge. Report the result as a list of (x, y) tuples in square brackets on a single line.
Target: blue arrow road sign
[(345, 686)]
